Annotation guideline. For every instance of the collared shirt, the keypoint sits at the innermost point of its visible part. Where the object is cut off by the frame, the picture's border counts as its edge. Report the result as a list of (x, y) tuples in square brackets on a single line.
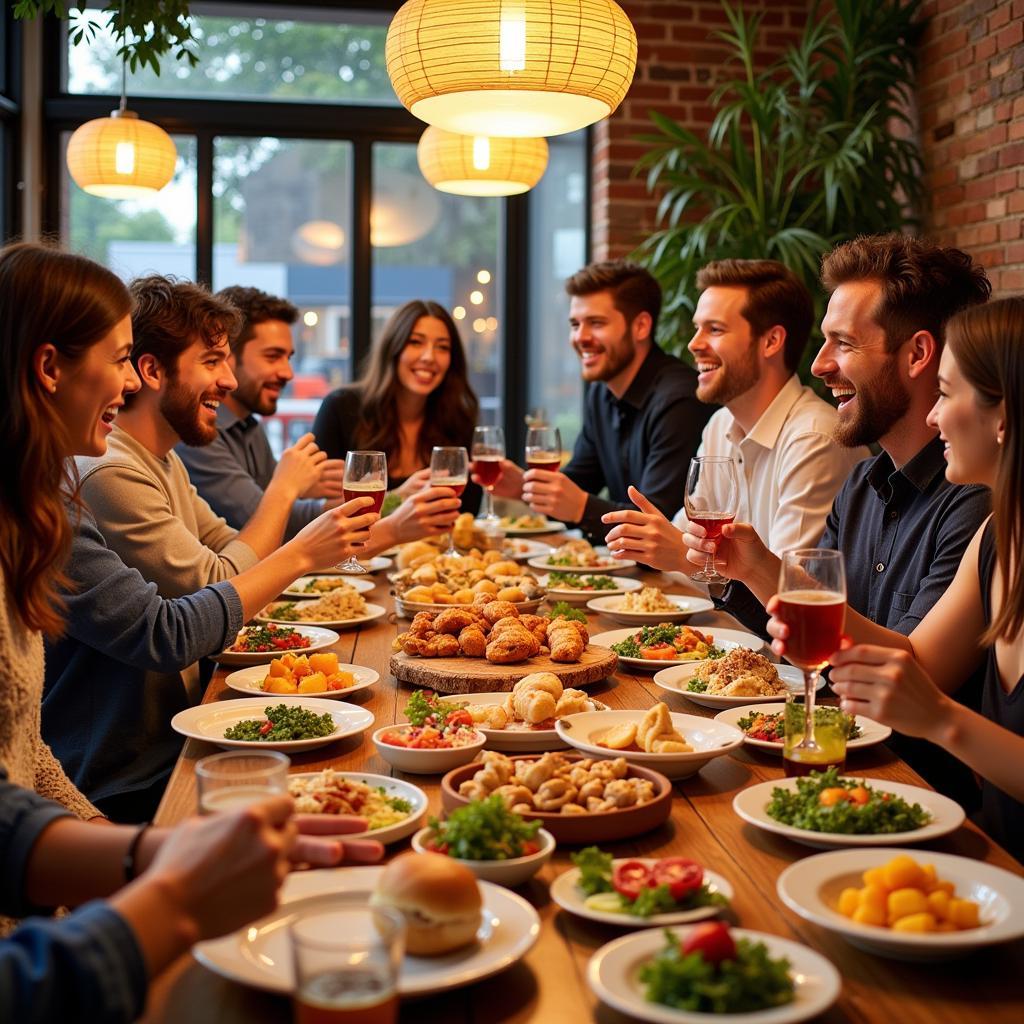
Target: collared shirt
[(233, 472), (646, 438)]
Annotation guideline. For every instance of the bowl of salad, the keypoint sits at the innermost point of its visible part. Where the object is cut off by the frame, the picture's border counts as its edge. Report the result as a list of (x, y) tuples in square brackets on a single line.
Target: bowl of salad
[(580, 587), (493, 842), (439, 737)]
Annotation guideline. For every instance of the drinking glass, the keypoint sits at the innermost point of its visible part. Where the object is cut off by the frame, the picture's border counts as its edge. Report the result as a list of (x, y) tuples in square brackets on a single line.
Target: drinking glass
[(831, 730), (488, 451), (544, 449), (449, 467), (366, 476), (812, 602), (347, 957), (229, 781), (712, 500)]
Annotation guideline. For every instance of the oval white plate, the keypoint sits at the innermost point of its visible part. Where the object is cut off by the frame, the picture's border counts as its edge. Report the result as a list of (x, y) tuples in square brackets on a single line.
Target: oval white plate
[(359, 583), (373, 613), (208, 721), (608, 567), (727, 639), (260, 954), (553, 526), (568, 897), (517, 737), (613, 976), (686, 606), (872, 732), (675, 679), (947, 816), (623, 586), (811, 886), (319, 639), (521, 550), (248, 681), (376, 564)]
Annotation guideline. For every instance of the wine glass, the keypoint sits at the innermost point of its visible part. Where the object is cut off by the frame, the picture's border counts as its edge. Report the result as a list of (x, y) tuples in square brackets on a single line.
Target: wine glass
[(544, 449), (712, 500), (366, 476), (449, 467), (812, 602), (488, 451)]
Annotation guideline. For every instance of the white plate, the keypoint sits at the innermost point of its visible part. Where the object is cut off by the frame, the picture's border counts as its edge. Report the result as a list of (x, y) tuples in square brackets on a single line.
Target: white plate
[(686, 606), (521, 550), (319, 639), (260, 954), (608, 567), (568, 897), (947, 816), (613, 974), (623, 586), (208, 721), (675, 681), (811, 887), (709, 739), (359, 583), (376, 564), (517, 737), (727, 639), (553, 526), (248, 681), (871, 732), (373, 613)]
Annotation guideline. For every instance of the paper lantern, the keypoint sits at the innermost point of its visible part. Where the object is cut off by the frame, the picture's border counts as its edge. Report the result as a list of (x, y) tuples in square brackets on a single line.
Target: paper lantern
[(319, 242), (404, 209), (521, 68), (121, 156), (475, 165)]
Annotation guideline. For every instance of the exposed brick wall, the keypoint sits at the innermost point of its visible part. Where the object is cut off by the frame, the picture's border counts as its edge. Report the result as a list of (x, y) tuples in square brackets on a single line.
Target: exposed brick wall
[(971, 102)]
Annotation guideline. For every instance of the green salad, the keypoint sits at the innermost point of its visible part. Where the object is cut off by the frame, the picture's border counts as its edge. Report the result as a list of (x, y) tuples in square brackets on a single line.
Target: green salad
[(283, 722), (667, 642), (771, 726), (564, 610), (483, 830), (579, 581), (828, 802), (287, 611)]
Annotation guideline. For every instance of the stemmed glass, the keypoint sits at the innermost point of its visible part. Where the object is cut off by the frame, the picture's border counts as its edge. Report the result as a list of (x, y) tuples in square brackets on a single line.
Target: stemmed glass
[(366, 476), (544, 449), (449, 467), (488, 451), (812, 602), (712, 500)]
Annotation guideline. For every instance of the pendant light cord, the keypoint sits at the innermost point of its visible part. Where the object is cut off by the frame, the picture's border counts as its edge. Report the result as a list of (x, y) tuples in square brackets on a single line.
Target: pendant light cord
[(124, 67)]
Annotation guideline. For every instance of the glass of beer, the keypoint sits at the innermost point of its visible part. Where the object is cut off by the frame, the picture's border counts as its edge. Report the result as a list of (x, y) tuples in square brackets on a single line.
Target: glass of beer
[(488, 452), (347, 956), (812, 602), (366, 476), (712, 500), (831, 730), (237, 778), (449, 467), (544, 449)]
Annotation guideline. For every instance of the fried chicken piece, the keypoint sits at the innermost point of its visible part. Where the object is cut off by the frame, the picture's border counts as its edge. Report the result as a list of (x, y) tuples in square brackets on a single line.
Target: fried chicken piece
[(441, 645), (531, 622), (472, 642), (510, 647), (503, 624), (494, 610), (421, 623), (566, 645), (572, 702), (559, 623), (453, 621)]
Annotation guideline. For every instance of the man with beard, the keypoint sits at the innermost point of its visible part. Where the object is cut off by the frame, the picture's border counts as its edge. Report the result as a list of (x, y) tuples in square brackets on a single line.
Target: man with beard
[(139, 491), (752, 321), (641, 421)]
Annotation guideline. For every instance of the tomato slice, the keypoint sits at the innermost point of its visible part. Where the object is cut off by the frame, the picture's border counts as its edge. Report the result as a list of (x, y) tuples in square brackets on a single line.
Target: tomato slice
[(681, 875), (460, 717), (630, 877), (712, 941)]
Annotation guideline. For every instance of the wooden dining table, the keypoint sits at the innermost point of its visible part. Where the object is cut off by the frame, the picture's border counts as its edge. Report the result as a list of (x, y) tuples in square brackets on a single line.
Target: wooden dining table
[(550, 983)]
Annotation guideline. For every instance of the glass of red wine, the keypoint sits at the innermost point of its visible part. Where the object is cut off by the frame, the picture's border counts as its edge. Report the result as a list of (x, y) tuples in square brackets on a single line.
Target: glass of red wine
[(544, 449), (488, 453), (712, 500), (449, 467), (812, 602), (366, 476)]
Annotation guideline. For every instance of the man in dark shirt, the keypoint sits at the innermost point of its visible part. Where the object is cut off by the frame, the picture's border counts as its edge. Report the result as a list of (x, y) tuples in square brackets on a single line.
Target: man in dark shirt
[(642, 422)]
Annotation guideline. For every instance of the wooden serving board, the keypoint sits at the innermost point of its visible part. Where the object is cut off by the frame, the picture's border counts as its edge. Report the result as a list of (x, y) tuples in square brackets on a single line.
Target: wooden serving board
[(478, 675)]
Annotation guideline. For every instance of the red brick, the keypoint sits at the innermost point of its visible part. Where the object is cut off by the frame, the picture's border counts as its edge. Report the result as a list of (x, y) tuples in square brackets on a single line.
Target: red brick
[(1010, 36)]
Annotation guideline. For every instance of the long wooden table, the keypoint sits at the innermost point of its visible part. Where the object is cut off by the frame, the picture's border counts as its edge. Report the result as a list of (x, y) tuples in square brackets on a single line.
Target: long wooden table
[(549, 985)]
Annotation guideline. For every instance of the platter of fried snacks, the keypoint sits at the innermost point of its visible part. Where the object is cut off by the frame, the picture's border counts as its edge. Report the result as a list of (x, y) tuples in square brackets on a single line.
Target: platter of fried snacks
[(649, 605)]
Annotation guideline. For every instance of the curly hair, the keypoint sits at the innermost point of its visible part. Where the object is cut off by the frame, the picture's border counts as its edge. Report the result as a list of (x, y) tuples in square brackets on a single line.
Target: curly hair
[(255, 307), (634, 289)]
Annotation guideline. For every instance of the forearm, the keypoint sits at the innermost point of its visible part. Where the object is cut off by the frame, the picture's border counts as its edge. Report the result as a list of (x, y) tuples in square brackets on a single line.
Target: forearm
[(264, 531), (162, 927), (265, 580), (862, 630)]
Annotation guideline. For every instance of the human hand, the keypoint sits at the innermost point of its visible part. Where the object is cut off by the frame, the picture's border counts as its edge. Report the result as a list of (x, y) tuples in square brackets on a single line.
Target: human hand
[(299, 467), (510, 483), (646, 536), (553, 495), (335, 534), (427, 513), (330, 484), (317, 841), (740, 554), (414, 483)]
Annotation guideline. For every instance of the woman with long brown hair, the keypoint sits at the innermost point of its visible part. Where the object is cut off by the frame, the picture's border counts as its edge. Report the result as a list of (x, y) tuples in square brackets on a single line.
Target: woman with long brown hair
[(904, 681)]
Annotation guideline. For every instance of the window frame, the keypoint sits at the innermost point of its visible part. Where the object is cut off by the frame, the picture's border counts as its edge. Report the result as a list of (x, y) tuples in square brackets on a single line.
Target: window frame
[(10, 123)]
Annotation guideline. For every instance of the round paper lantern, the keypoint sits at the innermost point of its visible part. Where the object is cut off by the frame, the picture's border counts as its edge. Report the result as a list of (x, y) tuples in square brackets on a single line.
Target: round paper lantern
[(121, 156), (521, 68), (475, 165), (404, 209)]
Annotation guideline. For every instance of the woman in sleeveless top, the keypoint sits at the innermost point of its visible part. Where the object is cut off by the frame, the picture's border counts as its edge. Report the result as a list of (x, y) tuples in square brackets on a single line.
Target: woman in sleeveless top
[(904, 681)]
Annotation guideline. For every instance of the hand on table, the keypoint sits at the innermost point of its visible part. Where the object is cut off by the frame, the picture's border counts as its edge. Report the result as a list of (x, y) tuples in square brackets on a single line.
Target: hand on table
[(554, 495), (645, 535)]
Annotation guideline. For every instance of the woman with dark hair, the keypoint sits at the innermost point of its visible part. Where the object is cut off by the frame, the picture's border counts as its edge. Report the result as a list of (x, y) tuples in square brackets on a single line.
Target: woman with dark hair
[(904, 681), (414, 394)]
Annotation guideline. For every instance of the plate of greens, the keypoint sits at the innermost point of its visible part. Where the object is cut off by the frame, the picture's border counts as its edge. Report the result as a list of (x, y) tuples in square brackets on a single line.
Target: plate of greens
[(659, 646), (262, 643), (316, 586), (639, 892), (828, 810), (694, 974), (263, 723), (762, 726), (579, 587)]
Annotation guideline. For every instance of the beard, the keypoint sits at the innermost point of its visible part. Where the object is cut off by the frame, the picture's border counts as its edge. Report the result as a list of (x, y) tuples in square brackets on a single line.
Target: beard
[(182, 410), (617, 356), (250, 394), (731, 381), (881, 402)]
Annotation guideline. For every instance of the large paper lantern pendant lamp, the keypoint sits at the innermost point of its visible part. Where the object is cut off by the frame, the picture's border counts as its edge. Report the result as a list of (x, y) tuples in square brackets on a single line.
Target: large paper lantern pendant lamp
[(522, 68), (475, 165)]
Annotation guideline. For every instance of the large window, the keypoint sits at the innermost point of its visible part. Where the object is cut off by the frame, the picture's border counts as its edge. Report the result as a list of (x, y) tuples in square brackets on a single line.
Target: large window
[(8, 123)]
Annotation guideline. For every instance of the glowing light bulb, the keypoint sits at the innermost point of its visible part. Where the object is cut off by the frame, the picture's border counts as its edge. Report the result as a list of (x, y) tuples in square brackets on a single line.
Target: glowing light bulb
[(124, 158), (310, 319), (481, 153), (512, 40), (459, 312), (484, 277), (476, 297)]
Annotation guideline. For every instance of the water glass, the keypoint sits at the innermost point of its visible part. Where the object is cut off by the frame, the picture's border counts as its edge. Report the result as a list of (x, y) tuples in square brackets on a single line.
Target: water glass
[(237, 778)]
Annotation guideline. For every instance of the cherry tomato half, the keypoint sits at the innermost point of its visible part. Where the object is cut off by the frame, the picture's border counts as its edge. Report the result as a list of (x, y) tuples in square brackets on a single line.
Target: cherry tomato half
[(460, 717), (630, 877), (712, 941), (682, 876)]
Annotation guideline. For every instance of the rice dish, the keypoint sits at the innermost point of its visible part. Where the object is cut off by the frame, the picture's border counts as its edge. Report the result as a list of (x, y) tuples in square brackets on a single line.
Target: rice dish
[(649, 599), (741, 673), (330, 792), (333, 607)]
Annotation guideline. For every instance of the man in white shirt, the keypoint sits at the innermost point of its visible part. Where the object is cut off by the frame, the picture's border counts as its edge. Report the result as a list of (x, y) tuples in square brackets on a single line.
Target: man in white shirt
[(752, 321)]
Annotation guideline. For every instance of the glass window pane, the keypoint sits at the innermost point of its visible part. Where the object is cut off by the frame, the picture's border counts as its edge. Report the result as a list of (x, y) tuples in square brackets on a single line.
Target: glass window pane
[(313, 55), (557, 249), (431, 245), (282, 222), (155, 234)]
